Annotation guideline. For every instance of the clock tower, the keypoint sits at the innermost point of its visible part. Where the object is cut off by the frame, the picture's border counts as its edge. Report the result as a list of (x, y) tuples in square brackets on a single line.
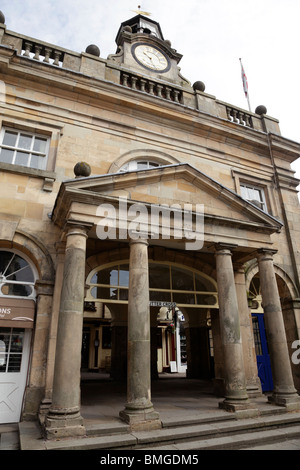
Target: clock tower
[(143, 50)]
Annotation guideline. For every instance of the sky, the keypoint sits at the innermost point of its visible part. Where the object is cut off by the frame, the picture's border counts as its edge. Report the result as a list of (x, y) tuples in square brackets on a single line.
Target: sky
[(212, 35)]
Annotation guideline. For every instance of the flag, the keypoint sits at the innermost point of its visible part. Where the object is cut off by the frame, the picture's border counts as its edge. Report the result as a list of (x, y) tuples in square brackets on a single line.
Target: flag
[(244, 80)]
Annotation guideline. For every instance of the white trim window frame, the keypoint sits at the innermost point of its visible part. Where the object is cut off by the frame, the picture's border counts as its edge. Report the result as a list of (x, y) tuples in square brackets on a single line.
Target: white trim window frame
[(254, 194), (23, 148), (135, 165)]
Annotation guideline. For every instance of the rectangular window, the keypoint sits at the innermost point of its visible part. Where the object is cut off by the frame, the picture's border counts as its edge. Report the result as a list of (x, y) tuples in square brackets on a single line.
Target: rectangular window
[(24, 148), (255, 195), (11, 349)]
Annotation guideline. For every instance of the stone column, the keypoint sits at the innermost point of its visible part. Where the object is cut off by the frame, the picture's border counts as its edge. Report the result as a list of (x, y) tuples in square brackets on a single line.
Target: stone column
[(46, 402), (284, 392), (64, 417), (253, 386), (139, 411), (236, 397), (36, 385)]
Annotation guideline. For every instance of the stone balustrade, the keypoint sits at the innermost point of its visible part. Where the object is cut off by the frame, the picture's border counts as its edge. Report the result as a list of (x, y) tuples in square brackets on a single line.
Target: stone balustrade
[(98, 68), (42, 52), (150, 86), (239, 116)]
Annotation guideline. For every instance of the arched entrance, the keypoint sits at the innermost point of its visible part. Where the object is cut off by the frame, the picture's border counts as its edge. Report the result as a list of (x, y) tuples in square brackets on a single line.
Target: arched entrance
[(180, 303), (17, 308), (286, 293)]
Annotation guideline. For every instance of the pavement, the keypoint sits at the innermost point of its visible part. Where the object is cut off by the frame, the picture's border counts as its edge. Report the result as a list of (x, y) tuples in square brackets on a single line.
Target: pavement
[(176, 398)]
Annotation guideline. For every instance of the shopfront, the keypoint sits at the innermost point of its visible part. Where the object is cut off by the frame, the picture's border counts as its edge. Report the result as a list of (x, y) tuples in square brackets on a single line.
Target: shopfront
[(17, 310), (179, 298)]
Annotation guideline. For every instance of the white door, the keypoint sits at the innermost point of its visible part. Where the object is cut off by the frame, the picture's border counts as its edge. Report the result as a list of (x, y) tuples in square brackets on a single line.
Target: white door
[(14, 357)]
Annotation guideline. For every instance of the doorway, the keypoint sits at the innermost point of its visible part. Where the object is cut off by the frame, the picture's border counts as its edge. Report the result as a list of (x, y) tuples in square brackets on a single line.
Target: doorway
[(262, 353), (14, 357)]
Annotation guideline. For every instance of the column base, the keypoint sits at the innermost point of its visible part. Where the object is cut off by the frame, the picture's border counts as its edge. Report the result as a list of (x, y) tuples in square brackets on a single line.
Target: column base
[(254, 391), (141, 419), (59, 425), (244, 408), (291, 403)]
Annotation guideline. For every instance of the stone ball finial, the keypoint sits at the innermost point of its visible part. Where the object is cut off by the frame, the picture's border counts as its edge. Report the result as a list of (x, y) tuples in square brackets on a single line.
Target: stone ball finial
[(2, 17), (127, 28), (261, 110), (168, 42), (82, 169), (93, 50), (199, 86)]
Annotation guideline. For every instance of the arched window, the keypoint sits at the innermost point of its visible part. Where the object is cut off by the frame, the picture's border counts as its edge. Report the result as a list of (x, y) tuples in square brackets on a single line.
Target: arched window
[(134, 165), (167, 283), (17, 277)]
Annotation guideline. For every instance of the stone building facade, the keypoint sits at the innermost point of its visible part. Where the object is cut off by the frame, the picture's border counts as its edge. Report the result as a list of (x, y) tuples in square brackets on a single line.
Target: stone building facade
[(144, 225)]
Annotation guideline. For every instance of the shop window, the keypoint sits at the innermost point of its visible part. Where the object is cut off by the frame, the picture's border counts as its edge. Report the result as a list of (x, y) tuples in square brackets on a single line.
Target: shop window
[(24, 148), (17, 278)]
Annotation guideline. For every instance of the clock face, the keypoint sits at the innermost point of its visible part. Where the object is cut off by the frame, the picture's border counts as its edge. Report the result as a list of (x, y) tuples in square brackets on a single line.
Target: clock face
[(150, 57)]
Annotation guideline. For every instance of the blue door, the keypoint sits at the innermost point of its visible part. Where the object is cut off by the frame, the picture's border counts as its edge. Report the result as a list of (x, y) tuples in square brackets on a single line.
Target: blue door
[(262, 353)]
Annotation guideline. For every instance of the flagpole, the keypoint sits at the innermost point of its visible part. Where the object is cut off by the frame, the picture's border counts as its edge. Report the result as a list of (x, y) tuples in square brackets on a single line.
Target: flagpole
[(245, 85)]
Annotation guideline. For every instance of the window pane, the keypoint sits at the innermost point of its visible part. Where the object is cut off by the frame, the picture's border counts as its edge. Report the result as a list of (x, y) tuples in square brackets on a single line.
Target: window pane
[(142, 165), (182, 279), (161, 296), (104, 293), (108, 276), (124, 275), (203, 284), (6, 155), (14, 364), (244, 192), (182, 298), (5, 337), (256, 333), (10, 138), (16, 268), (123, 294), (22, 158), (159, 276), (206, 299), (38, 162), (17, 342), (23, 275), (5, 257), (39, 144), (16, 289), (25, 142)]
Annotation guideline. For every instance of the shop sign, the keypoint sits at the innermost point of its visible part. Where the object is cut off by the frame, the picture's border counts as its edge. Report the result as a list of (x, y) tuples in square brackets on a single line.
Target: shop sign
[(157, 303), (19, 311)]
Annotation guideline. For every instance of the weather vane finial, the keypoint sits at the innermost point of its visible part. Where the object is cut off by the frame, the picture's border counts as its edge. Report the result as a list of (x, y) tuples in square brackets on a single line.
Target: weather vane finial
[(140, 12)]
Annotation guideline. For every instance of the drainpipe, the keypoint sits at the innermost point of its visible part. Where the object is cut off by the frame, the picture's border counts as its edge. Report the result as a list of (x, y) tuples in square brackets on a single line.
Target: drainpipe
[(283, 211)]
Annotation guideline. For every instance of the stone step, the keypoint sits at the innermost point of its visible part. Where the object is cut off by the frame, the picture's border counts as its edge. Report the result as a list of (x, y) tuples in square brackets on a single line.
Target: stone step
[(244, 440), (112, 427), (221, 433), (211, 430)]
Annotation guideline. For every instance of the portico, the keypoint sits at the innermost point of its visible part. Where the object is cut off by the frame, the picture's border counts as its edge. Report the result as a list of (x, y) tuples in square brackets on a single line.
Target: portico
[(76, 213)]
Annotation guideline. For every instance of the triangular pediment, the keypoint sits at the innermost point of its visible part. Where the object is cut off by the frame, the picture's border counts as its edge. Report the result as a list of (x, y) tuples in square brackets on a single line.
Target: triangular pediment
[(168, 185)]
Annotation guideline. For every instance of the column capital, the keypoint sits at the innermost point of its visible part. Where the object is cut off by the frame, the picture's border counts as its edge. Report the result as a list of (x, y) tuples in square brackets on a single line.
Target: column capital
[(266, 253), (77, 228), (229, 247), (239, 267), (134, 241)]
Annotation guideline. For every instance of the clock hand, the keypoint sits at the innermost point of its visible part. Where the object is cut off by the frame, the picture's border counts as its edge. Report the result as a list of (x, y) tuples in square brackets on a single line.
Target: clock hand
[(149, 57)]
